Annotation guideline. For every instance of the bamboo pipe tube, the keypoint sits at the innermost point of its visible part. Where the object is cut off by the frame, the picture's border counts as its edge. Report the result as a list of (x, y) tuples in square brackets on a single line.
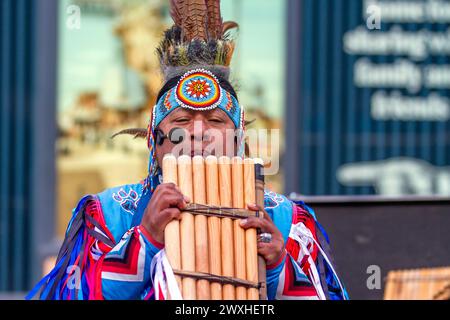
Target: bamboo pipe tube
[(259, 187), (172, 231), (187, 228), (250, 234), (201, 228), (237, 178), (213, 199), (226, 200)]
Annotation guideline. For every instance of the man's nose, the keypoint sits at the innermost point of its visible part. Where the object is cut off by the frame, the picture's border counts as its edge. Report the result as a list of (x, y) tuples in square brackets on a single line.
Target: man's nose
[(198, 129)]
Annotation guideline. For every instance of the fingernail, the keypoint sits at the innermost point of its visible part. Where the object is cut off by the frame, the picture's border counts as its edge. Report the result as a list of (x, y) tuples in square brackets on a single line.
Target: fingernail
[(243, 222), (187, 199)]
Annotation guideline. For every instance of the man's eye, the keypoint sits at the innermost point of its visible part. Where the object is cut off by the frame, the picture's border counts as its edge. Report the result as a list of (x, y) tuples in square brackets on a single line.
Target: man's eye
[(216, 120), (182, 120)]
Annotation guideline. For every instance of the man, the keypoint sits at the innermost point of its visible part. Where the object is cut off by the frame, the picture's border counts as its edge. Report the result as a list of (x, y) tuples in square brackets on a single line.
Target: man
[(114, 236)]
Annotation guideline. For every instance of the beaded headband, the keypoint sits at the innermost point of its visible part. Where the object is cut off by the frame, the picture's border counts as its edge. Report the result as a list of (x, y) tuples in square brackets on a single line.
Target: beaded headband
[(198, 90)]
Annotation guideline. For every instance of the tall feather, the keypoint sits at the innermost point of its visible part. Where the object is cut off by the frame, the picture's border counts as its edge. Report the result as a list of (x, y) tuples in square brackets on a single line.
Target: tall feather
[(176, 11), (195, 18), (215, 22), (199, 19)]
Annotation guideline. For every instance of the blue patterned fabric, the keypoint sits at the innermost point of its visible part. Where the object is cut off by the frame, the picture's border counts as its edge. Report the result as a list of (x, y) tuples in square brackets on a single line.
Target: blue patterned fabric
[(114, 256)]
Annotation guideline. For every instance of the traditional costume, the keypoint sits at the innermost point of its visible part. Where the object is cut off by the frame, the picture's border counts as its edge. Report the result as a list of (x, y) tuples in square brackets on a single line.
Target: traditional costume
[(107, 254)]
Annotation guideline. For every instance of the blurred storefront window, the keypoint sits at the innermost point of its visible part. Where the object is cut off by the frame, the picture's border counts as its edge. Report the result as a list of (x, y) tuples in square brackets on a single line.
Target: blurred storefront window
[(109, 79)]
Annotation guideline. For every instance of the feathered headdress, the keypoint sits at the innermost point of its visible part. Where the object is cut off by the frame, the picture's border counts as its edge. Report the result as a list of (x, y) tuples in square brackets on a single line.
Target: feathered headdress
[(199, 38), (195, 56)]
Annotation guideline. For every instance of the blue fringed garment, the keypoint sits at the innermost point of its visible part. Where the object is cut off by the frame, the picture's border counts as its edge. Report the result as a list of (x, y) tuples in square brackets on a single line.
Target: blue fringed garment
[(106, 254)]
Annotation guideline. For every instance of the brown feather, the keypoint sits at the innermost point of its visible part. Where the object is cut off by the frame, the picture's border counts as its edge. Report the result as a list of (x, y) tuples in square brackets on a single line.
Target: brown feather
[(136, 132), (228, 25), (176, 10), (229, 52), (249, 122), (194, 20)]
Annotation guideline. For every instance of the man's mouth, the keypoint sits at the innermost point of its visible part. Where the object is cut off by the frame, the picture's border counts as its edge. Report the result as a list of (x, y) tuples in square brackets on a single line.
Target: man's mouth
[(202, 153)]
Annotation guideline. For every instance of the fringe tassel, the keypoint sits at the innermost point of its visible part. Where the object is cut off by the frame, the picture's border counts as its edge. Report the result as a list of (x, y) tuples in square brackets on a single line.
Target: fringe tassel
[(68, 280)]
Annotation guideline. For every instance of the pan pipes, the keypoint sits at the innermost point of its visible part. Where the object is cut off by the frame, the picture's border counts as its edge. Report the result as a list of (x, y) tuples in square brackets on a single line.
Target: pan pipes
[(212, 256)]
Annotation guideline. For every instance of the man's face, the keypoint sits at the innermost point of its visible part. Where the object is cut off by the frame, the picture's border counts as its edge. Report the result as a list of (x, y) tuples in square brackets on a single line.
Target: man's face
[(205, 133)]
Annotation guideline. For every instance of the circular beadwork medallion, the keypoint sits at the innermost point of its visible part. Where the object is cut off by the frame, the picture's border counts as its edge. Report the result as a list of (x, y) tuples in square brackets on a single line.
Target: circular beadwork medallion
[(199, 90)]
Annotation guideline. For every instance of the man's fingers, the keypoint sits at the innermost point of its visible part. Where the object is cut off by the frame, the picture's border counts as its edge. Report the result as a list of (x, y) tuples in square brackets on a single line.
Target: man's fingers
[(169, 195), (171, 200), (186, 198), (264, 247), (251, 222), (266, 250), (170, 214), (254, 207), (165, 186), (161, 190), (169, 189)]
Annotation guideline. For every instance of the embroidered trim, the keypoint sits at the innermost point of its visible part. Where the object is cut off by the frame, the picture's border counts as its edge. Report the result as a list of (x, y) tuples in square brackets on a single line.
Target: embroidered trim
[(149, 237), (128, 201)]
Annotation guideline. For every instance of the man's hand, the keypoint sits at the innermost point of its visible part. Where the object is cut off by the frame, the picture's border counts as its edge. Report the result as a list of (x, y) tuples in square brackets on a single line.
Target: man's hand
[(272, 251), (165, 205)]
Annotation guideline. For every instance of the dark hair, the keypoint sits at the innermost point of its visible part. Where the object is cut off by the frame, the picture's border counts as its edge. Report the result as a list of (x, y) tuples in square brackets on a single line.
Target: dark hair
[(172, 83)]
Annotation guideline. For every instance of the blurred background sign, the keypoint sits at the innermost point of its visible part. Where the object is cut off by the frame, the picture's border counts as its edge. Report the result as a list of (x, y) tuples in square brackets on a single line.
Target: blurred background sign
[(367, 114)]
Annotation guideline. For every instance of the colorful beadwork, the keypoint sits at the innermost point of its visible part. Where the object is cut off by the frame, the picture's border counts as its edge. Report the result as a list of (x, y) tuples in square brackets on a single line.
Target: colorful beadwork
[(198, 90)]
